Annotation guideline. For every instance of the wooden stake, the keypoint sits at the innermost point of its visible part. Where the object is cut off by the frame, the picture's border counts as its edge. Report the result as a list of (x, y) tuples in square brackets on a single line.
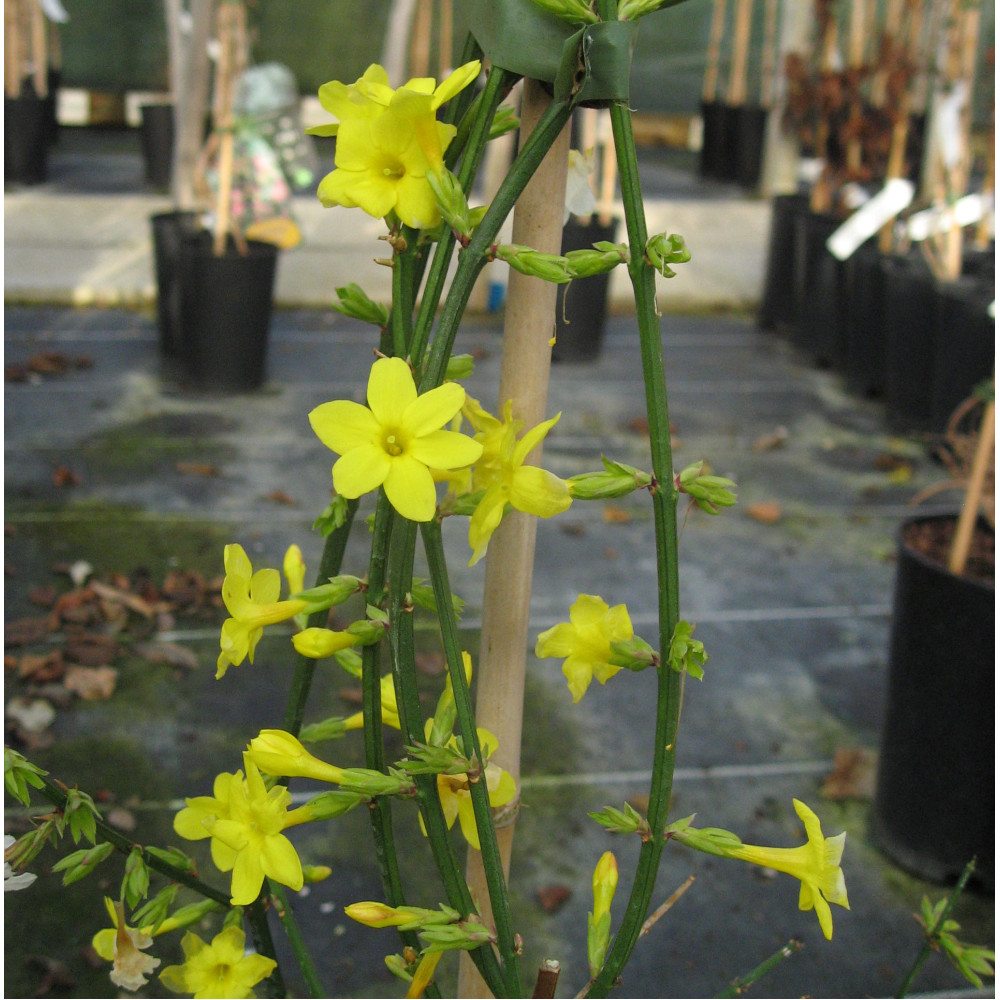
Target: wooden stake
[(737, 94), (973, 494), (524, 378), (609, 172), (714, 46), (444, 40), (420, 40), (768, 53), (39, 48)]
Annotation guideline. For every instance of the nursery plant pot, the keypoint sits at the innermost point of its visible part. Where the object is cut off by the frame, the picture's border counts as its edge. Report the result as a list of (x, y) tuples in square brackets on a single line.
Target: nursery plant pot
[(26, 132), (934, 801), (156, 133), (582, 304), (820, 287), (864, 344), (169, 231), (748, 153), (712, 159), (226, 305), (778, 305)]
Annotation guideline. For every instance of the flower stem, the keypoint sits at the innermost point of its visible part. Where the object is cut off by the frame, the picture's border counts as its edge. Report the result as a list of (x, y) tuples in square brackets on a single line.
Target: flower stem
[(296, 941), (305, 666), (256, 918), (739, 986), (931, 934), (665, 530), (491, 858)]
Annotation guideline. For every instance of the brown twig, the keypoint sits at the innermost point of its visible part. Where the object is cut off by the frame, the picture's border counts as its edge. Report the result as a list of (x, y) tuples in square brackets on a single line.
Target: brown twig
[(664, 907), (547, 980)]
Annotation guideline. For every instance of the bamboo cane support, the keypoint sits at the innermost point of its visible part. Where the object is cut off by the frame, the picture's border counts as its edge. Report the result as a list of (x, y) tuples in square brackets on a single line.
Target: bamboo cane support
[(768, 50), (420, 40), (445, 33), (232, 61), (39, 50), (737, 93), (524, 378), (973, 494), (609, 173), (13, 53), (714, 47)]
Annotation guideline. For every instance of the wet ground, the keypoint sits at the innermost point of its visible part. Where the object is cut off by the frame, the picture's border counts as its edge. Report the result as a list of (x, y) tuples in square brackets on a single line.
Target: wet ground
[(118, 463)]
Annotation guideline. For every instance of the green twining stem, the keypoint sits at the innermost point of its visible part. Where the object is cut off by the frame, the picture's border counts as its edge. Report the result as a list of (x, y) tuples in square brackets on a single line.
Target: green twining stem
[(296, 941), (665, 530), (403, 292), (305, 667), (497, 84), (492, 861), (472, 259), (404, 674)]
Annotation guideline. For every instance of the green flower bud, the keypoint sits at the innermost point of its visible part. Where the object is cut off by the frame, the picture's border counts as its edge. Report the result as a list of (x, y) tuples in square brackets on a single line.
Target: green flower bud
[(617, 480), (356, 304), (465, 936), (330, 805), (135, 884), (333, 516), (547, 266), (315, 873), (710, 493), (451, 200), (504, 120), (599, 260), (426, 759), (18, 773), (577, 11), (372, 783), (459, 366), (320, 732), (686, 654), (81, 863), (663, 250), (399, 967), (633, 654), (328, 595), (366, 633), (626, 820)]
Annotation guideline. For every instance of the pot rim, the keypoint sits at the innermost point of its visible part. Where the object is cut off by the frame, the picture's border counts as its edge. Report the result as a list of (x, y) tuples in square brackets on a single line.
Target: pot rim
[(917, 556)]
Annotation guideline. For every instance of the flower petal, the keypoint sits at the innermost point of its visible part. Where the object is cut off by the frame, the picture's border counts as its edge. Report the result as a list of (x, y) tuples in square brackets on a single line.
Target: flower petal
[(248, 877), (578, 673), (280, 862), (432, 410), (446, 450), (532, 438), (467, 820), (409, 487), (587, 609), (539, 492), (558, 641), (343, 425), (360, 471), (391, 391), (484, 521)]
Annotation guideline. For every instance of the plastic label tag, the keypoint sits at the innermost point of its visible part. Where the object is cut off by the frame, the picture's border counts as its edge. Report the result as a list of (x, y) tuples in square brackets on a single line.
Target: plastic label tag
[(871, 217)]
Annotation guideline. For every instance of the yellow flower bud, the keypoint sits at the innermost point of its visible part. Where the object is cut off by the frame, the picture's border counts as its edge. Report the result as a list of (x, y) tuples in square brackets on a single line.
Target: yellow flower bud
[(280, 753), (318, 643)]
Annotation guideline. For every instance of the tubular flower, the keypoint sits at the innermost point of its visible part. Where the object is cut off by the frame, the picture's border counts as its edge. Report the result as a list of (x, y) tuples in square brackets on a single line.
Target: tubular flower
[(507, 480), (585, 641), (103, 942), (815, 863), (245, 821), (396, 440), (390, 713), (456, 799), (131, 966), (221, 969), (277, 752), (387, 142), (252, 600), (319, 643)]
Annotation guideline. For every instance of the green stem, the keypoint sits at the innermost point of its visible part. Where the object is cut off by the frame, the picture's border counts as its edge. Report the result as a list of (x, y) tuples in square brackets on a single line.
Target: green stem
[(472, 259), (403, 293), (296, 941), (260, 931), (739, 986), (492, 861), (305, 667), (668, 696), (932, 933), (496, 84), (411, 722)]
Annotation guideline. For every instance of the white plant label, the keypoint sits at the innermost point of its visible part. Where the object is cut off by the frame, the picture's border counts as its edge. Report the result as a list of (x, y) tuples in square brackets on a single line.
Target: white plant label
[(871, 217)]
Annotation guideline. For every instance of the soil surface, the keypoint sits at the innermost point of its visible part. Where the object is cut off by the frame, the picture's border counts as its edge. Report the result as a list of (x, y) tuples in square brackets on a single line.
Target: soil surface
[(933, 539)]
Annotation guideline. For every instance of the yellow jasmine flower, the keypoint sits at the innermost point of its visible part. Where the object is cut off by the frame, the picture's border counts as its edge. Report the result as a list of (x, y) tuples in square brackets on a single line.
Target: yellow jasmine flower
[(387, 142), (252, 600), (372, 913), (103, 942), (815, 863), (277, 752), (508, 480), (456, 799), (390, 713), (605, 882), (396, 440), (319, 643), (131, 966), (221, 969), (424, 975), (585, 641), (245, 821)]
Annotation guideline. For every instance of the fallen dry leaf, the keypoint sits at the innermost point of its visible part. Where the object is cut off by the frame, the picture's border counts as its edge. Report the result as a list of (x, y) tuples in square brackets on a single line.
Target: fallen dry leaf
[(765, 511), (853, 774), (196, 469), (552, 897), (30, 715), (40, 669), (616, 515), (25, 631), (170, 653), (574, 528), (773, 439), (44, 596), (184, 587), (88, 650), (131, 601), (91, 683), (63, 476), (280, 496)]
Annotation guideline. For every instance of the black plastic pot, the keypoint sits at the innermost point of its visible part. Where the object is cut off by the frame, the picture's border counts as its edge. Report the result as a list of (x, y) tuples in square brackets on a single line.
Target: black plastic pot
[(582, 304), (26, 132), (934, 802), (777, 306), (156, 133), (712, 161), (820, 290), (226, 305), (169, 231), (864, 343), (748, 153)]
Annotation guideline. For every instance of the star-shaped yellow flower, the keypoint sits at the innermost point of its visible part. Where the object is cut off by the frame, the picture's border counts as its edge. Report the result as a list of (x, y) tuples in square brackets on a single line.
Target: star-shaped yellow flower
[(585, 641), (815, 863), (221, 969), (396, 440), (505, 477), (387, 142), (252, 600)]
